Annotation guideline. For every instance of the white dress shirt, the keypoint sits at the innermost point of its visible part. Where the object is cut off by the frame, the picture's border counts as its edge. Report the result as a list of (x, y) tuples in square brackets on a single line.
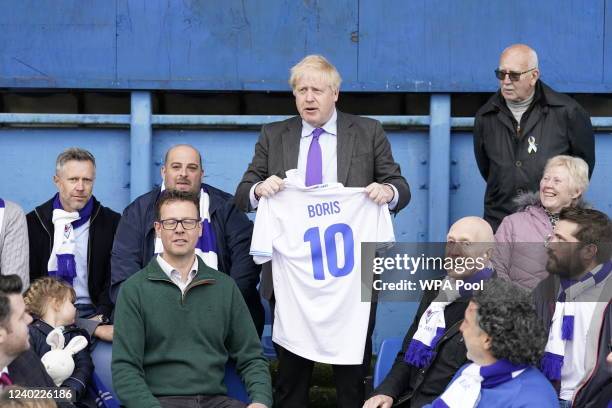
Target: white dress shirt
[(175, 276)]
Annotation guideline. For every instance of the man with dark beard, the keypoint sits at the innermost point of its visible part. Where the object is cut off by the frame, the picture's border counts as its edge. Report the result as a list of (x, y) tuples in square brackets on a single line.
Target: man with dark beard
[(575, 304)]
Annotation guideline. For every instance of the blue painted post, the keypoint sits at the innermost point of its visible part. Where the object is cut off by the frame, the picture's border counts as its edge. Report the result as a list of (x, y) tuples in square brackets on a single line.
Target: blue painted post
[(439, 167), (141, 150)]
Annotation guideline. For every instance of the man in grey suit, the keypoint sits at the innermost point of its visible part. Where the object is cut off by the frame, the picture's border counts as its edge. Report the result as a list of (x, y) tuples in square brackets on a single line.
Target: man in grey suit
[(326, 146)]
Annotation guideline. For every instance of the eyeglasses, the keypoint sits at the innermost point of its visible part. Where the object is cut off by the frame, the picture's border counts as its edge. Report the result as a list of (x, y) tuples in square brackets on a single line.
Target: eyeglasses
[(187, 223), (514, 76)]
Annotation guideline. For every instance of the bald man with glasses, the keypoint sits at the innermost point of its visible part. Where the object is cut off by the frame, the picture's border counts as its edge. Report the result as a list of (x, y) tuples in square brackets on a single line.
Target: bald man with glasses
[(520, 127)]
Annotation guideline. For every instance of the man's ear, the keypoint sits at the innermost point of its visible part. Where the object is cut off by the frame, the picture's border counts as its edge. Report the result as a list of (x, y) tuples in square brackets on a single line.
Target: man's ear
[(535, 76), (3, 335), (488, 253), (157, 227), (487, 342), (589, 252)]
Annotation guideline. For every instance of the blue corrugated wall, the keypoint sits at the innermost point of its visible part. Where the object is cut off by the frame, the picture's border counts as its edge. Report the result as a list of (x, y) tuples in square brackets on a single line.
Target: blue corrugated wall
[(28, 157), (230, 45), (390, 45)]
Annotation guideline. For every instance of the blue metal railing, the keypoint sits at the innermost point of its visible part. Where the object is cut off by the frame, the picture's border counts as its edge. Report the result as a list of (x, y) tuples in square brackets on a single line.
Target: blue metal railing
[(141, 123)]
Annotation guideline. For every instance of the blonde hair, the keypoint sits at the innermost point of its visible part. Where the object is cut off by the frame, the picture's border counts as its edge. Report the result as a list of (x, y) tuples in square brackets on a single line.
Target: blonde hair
[(43, 291), (318, 64), (577, 169)]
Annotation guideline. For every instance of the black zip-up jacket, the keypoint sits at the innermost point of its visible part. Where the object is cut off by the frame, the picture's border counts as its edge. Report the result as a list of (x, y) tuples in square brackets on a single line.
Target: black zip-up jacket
[(80, 378), (103, 224), (410, 386), (134, 245), (558, 124)]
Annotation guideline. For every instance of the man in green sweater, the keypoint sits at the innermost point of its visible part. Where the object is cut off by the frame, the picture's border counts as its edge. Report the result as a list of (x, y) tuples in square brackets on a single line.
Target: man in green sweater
[(178, 321)]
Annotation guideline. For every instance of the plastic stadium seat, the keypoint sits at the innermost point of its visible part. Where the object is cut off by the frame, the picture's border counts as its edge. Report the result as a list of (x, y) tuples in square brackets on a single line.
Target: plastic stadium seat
[(102, 355), (235, 387), (386, 357), (266, 337)]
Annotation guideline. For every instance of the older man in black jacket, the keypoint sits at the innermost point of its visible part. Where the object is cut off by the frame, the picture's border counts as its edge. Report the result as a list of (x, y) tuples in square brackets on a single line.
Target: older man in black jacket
[(226, 233), (522, 126), (423, 369)]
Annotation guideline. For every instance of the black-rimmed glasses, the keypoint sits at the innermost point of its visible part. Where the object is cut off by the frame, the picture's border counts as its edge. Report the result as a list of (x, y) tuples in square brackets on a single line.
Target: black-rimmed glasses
[(187, 223), (514, 76)]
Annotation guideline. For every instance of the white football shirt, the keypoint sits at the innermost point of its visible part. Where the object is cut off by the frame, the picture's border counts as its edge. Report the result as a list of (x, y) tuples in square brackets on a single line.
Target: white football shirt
[(313, 236)]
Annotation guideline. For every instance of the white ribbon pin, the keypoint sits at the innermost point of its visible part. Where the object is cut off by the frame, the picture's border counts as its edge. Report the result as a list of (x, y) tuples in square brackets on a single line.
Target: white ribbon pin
[(533, 147)]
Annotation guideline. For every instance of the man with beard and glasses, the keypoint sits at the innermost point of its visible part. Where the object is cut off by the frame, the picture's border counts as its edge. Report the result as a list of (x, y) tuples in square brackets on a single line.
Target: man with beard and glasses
[(226, 231), (574, 302), (433, 349), (71, 237)]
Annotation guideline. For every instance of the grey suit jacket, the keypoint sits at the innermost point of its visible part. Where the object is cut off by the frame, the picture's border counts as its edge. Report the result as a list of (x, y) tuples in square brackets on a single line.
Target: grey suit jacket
[(364, 156)]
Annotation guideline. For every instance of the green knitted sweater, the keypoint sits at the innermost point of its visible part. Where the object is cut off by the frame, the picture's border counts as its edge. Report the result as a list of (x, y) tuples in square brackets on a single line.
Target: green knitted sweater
[(166, 343)]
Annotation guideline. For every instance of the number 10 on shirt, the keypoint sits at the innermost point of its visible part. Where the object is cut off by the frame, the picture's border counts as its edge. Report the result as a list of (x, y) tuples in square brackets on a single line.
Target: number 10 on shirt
[(313, 236)]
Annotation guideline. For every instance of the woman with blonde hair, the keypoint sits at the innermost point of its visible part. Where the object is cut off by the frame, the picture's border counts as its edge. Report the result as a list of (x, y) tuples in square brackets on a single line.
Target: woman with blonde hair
[(520, 255)]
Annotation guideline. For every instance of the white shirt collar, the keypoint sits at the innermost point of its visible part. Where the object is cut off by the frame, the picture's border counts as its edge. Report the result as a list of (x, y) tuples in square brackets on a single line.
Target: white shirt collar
[(331, 127), (171, 271)]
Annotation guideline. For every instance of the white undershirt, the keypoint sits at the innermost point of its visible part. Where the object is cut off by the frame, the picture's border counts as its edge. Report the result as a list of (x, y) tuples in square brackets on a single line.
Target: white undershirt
[(80, 282)]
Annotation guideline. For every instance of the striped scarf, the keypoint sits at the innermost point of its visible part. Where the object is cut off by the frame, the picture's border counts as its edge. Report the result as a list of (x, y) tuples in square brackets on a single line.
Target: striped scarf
[(464, 392), (61, 262), (206, 247), (432, 325), (562, 327)]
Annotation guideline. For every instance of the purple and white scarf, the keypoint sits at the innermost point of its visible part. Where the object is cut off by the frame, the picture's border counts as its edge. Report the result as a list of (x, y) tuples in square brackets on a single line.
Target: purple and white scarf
[(562, 327), (206, 247), (1, 214), (464, 392), (61, 262), (432, 324)]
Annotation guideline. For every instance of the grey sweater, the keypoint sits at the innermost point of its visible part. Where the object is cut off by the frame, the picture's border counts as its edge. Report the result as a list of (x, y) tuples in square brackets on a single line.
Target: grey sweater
[(14, 249)]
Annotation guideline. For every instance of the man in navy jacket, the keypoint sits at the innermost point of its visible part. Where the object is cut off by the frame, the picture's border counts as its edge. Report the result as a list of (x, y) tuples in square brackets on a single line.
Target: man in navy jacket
[(230, 230)]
